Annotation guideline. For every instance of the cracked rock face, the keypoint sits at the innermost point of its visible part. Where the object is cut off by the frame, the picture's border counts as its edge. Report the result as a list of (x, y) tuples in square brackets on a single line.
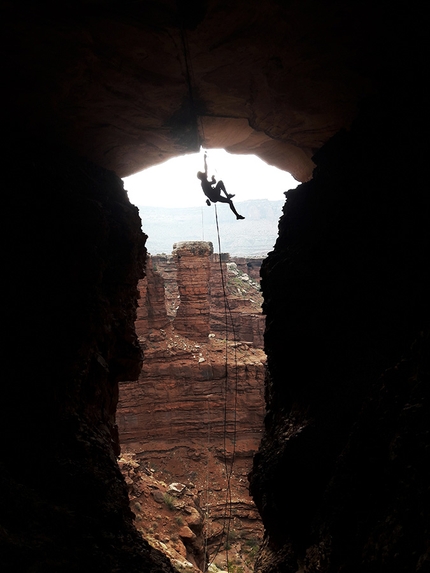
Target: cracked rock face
[(76, 248), (193, 315), (129, 85), (182, 374), (339, 476), (197, 406)]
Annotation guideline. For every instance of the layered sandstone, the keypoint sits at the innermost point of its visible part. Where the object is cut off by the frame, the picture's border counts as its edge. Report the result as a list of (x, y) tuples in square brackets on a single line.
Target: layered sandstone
[(183, 365), (196, 411), (193, 272), (181, 379), (64, 505), (235, 302), (346, 297), (193, 416), (151, 313), (249, 265)]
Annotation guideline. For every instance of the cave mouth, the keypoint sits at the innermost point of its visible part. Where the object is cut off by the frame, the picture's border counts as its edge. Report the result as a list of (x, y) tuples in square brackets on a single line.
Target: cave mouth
[(191, 424), (172, 205)]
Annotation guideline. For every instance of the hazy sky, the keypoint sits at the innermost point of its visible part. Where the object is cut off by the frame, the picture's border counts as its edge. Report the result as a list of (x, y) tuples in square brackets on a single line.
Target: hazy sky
[(174, 183)]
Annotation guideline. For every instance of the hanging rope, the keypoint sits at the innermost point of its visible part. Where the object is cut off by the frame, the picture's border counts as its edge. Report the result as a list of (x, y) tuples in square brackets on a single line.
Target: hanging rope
[(200, 138), (190, 79), (228, 508), (206, 534)]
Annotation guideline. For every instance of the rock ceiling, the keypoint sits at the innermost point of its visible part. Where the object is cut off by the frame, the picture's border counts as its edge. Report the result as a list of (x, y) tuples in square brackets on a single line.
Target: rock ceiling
[(127, 83)]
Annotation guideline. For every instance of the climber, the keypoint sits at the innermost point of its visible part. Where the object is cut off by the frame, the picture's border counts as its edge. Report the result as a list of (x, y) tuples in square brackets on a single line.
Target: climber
[(212, 189)]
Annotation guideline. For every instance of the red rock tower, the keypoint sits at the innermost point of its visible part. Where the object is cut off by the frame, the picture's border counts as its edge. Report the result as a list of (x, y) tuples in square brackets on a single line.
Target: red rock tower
[(193, 264)]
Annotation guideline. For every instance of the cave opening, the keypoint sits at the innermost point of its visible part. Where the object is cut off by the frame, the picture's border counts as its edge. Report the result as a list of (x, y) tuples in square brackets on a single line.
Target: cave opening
[(172, 205), (190, 425)]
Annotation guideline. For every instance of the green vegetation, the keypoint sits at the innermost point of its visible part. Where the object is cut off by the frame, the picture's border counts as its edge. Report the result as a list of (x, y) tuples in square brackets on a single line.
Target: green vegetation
[(251, 547), (232, 536), (232, 568), (169, 501), (152, 528)]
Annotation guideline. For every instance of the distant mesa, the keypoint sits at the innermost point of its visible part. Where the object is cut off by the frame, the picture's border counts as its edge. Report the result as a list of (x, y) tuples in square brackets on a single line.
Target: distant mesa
[(254, 237)]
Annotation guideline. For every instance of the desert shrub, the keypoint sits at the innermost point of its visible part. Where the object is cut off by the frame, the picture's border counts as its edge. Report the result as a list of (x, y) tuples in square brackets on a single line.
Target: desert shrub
[(232, 568), (169, 501)]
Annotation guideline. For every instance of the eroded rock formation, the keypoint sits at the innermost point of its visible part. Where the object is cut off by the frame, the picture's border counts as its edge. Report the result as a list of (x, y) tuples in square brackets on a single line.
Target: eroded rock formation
[(228, 300), (249, 265), (276, 78), (347, 345), (152, 316), (346, 287), (205, 400), (193, 272), (169, 516), (235, 302), (74, 251)]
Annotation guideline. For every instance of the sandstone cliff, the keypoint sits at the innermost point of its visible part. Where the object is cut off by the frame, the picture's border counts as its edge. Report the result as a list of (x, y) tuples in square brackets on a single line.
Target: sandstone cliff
[(241, 275), (196, 411), (346, 296), (83, 265), (193, 276)]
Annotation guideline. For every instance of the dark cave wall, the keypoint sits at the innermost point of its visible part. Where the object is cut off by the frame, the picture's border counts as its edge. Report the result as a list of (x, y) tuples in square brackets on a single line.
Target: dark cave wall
[(73, 251), (340, 476)]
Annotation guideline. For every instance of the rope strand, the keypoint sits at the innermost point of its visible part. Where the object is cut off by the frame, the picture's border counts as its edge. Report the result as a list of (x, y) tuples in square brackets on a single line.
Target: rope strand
[(190, 79), (228, 509)]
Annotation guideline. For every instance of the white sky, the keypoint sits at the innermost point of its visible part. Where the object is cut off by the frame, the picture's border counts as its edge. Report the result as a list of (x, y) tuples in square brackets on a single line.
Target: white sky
[(174, 183)]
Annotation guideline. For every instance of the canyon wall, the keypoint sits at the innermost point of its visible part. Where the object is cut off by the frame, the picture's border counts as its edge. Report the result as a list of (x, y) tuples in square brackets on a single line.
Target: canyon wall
[(249, 265), (239, 314), (183, 373), (74, 251), (196, 411), (347, 300)]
